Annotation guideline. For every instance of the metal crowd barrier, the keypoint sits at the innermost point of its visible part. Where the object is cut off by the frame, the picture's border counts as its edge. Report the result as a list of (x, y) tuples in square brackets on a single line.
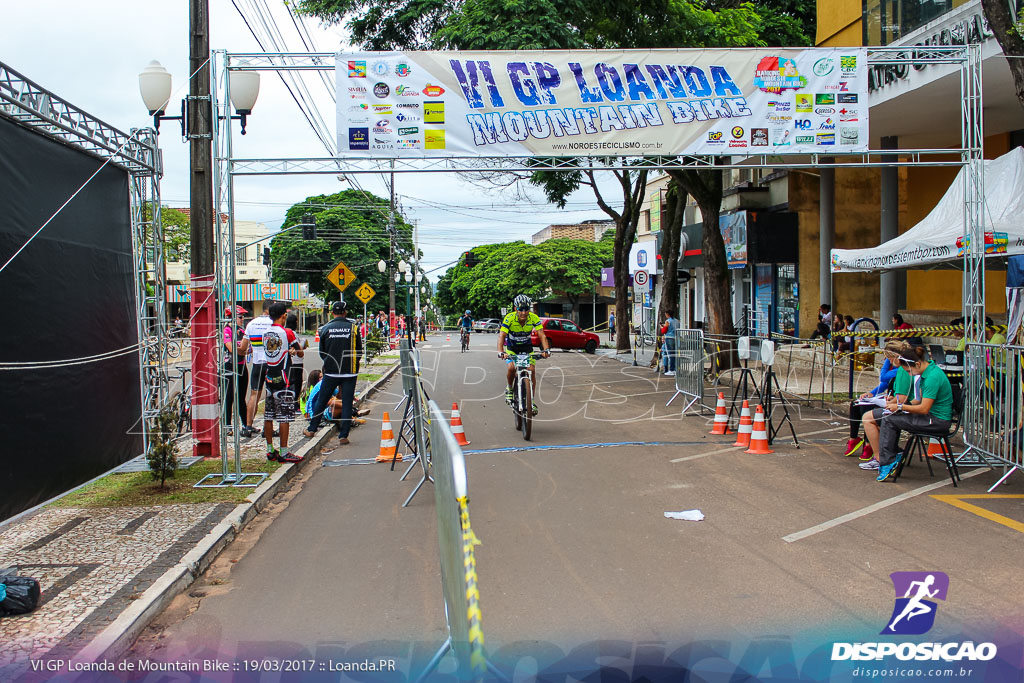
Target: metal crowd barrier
[(689, 357), (414, 426), (993, 418), (458, 563)]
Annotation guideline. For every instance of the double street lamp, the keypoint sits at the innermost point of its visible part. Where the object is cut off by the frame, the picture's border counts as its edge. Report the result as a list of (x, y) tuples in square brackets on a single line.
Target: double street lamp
[(402, 267)]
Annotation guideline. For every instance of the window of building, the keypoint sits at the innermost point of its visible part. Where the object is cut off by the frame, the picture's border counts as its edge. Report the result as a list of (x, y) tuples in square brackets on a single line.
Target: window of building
[(886, 21), (240, 259)]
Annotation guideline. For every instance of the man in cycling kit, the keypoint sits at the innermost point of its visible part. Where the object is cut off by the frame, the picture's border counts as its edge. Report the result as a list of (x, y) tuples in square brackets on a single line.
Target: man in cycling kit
[(466, 323), (514, 334)]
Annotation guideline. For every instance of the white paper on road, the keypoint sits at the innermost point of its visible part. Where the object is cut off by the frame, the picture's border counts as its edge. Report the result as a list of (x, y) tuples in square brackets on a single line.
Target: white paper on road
[(687, 515)]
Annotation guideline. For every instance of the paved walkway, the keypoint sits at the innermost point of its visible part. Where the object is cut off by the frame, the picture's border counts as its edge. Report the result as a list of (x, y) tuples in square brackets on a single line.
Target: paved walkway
[(100, 568)]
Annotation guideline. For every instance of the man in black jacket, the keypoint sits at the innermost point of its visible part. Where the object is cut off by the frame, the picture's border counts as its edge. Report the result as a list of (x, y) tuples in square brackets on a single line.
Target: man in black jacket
[(340, 348)]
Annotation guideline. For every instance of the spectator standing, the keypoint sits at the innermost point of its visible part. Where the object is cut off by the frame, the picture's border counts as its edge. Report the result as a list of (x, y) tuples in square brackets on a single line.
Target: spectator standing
[(258, 374), (611, 325), (236, 373), (668, 350), (340, 349), (282, 401), (297, 350)]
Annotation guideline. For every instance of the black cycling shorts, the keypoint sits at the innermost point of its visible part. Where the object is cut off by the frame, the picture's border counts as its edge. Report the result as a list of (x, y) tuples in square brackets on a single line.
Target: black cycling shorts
[(258, 376)]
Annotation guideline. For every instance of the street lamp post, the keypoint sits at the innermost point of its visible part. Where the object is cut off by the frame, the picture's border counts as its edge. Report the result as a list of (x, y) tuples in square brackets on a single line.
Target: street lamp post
[(197, 125)]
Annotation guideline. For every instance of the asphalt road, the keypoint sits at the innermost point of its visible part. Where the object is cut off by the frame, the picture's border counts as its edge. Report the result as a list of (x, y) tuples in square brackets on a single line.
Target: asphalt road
[(575, 546)]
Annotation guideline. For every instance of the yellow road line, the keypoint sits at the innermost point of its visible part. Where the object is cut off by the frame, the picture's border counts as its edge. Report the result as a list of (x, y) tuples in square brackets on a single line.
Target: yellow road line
[(958, 501)]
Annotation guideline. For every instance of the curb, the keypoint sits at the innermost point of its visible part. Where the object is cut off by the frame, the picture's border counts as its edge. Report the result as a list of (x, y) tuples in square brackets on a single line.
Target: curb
[(119, 636)]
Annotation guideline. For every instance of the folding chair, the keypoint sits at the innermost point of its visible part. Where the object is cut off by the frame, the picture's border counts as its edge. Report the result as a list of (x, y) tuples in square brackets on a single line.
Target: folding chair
[(918, 441)]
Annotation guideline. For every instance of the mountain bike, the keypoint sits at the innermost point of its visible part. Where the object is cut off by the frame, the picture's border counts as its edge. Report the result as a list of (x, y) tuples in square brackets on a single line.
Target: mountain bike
[(181, 403), (522, 392), (464, 339)]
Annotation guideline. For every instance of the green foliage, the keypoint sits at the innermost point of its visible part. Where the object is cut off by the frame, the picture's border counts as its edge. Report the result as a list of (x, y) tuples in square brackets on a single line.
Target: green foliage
[(351, 228), (177, 232), (162, 460), (376, 344)]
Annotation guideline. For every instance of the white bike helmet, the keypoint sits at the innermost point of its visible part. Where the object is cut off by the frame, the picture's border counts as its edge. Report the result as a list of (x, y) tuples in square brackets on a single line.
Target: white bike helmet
[(522, 301)]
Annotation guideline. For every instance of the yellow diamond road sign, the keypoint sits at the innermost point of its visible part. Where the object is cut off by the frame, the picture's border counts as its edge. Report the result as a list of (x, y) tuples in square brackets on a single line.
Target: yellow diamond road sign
[(365, 293), (340, 276)]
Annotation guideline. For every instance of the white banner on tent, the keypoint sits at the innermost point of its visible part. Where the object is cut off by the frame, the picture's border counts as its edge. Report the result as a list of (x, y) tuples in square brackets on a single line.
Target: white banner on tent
[(604, 102), (940, 236)]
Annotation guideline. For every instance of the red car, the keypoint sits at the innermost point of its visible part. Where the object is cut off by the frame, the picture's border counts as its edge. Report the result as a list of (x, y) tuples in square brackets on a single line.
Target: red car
[(565, 334)]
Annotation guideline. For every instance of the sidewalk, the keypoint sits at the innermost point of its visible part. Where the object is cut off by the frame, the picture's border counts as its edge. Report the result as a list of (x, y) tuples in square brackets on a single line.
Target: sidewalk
[(105, 572)]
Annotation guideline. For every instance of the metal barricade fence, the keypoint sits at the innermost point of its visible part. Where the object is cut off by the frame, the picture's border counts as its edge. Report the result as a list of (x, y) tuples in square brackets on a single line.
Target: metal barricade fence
[(689, 357), (993, 416), (456, 541)]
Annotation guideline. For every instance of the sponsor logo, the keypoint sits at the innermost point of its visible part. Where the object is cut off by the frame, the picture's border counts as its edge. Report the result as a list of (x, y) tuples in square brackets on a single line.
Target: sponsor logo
[(381, 90), (825, 139), (824, 111), (758, 137), (357, 118), (779, 120), (357, 93), (402, 69), (433, 90), (827, 124), (781, 137), (847, 115), (842, 86), (824, 66), (780, 106), (913, 614), (358, 138), (775, 74), (406, 118), (824, 98), (382, 130), (410, 143), (848, 64), (380, 69), (737, 143), (381, 141), (382, 109), (737, 132), (846, 99), (382, 123), (356, 69), (433, 112), (408, 105), (382, 145), (412, 130), (433, 139), (849, 136), (804, 102), (363, 107), (805, 139), (802, 124), (406, 91), (715, 137)]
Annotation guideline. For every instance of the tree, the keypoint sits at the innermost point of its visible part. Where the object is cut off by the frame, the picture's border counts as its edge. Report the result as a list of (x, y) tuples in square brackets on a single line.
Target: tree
[(177, 232), (671, 229), (1010, 36), (567, 266), (351, 228)]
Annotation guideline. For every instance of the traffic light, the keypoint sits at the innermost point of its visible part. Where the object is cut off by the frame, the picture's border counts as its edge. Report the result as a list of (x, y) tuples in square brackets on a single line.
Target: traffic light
[(308, 227), (471, 259), (266, 256)]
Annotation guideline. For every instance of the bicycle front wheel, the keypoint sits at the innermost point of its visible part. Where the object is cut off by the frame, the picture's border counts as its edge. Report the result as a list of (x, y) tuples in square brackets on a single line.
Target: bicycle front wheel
[(526, 396), (173, 349), (516, 407)]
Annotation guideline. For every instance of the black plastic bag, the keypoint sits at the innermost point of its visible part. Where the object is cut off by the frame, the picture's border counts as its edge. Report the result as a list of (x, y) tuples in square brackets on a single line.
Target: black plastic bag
[(23, 595)]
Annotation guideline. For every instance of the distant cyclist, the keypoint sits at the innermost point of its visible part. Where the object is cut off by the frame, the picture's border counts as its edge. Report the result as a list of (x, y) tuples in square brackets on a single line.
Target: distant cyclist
[(466, 323), (514, 335)]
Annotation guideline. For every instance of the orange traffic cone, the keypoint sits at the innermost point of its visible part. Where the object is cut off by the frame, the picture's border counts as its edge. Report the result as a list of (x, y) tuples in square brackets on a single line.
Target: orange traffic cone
[(721, 417), (457, 430), (743, 436), (449, 337), (388, 444), (759, 436), (316, 339), (935, 449)]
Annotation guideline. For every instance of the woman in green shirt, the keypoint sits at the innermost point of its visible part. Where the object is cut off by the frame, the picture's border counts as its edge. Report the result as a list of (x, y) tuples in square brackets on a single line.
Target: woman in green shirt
[(931, 416)]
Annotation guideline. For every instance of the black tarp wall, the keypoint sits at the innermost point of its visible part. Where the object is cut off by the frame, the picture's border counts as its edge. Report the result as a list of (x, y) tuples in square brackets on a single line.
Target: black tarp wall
[(68, 295)]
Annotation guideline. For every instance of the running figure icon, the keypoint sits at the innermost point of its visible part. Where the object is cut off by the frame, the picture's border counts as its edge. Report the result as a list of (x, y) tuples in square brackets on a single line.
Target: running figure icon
[(915, 605)]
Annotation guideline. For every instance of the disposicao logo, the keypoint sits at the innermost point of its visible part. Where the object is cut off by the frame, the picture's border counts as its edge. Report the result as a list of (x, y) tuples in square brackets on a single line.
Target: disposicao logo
[(914, 614)]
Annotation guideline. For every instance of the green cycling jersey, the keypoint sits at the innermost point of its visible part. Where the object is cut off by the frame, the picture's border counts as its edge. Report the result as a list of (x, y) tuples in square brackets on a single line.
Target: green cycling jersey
[(517, 334)]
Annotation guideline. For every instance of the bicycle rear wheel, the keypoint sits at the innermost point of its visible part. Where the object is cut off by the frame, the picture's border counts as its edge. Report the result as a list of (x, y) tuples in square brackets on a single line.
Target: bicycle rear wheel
[(173, 349), (526, 395)]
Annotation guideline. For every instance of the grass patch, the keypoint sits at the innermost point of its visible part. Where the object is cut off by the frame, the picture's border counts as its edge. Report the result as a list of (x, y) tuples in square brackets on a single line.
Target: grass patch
[(369, 376), (139, 488)]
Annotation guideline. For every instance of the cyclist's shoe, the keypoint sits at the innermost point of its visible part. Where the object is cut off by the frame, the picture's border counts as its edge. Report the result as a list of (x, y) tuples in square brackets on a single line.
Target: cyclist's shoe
[(867, 453), (887, 471), (852, 446), (290, 457), (534, 407), (508, 395), (274, 455)]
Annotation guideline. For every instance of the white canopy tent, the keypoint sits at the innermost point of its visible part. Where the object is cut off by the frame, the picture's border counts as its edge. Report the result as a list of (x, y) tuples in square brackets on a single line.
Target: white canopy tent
[(940, 238)]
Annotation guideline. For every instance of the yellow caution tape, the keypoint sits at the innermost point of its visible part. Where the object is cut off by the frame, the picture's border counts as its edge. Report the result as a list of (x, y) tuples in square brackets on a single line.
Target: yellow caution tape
[(477, 659)]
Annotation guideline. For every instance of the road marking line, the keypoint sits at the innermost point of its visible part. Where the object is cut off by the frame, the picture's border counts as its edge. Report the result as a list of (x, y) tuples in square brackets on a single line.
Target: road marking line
[(727, 450), (824, 526), (957, 501)]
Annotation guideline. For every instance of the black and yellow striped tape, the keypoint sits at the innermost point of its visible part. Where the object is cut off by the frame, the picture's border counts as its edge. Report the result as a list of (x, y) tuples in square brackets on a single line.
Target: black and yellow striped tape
[(477, 660)]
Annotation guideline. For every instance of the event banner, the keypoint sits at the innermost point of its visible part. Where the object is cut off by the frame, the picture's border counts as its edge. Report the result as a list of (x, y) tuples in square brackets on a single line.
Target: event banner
[(602, 102)]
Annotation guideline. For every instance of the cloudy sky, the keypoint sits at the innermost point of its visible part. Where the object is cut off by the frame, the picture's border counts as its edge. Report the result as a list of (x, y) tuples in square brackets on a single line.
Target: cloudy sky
[(91, 53)]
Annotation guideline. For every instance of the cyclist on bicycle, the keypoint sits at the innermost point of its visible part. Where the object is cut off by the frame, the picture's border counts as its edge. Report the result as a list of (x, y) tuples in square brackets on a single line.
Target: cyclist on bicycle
[(514, 334), (466, 323)]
